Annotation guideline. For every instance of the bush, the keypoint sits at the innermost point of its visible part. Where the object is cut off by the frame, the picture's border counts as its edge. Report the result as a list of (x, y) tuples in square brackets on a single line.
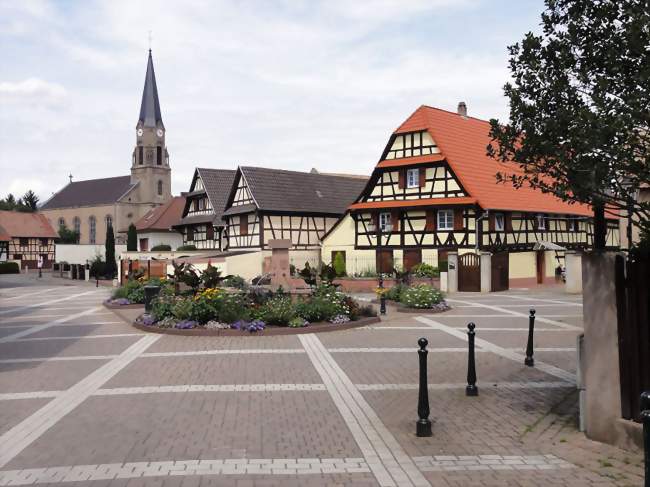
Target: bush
[(316, 309), (367, 310), (161, 248), (237, 282), (186, 247), (97, 268), (162, 307), (202, 310), (278, 311), (231, 307), (425, 270), (339, 264), (211, 277), (182, 309), (421, 296), (9, 268), (395, 292)]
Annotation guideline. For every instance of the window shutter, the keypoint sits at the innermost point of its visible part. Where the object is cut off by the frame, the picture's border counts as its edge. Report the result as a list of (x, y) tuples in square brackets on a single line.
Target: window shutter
[(401, 179), (422, 173), (458, 219), (375, 220), (430, 225), (394, 220), (492, 222), (508, 222)]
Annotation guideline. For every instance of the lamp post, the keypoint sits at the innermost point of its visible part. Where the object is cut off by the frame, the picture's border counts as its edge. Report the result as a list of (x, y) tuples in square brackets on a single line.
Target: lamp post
[(377, 229)]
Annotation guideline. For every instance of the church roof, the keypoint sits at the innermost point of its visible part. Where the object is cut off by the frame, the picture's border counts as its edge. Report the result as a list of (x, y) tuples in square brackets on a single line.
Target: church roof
[(163, 217), (91, 192), (22, 224), (308, 192), (150, 107)]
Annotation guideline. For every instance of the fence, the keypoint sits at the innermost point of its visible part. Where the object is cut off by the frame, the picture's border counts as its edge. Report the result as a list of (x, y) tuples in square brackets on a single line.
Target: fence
[(359, 266), (633, 310)]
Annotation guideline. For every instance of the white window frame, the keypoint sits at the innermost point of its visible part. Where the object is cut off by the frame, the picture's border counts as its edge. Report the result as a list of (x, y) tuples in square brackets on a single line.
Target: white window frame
[(541, 221), (499, 222), (413, 178), (384, 220), (445, 220)]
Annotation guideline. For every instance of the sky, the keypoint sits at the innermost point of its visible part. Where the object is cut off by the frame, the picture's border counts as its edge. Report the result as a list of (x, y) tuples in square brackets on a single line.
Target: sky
[(291, 84)]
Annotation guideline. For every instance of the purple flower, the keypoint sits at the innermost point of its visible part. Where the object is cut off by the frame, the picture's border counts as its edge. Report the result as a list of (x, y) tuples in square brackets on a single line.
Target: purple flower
[(147, 320), (186, 325), (239, 325)]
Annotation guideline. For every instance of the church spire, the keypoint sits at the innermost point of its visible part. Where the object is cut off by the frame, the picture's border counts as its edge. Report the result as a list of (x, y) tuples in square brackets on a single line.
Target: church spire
[(150, 108)]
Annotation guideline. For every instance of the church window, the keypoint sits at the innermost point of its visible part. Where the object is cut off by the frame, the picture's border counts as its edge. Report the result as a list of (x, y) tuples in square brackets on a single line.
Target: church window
[(109, 221), (140, 155), (412, 145), (92, 223), (160, 188), (159, 155), (61, 222), (76, 223)]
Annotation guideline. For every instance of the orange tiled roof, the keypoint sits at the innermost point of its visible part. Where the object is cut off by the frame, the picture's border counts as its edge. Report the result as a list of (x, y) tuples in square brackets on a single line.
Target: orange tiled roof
[(4, 236), (22, 224), (162, 217), (411, 160), (463, 142), (464, 200)]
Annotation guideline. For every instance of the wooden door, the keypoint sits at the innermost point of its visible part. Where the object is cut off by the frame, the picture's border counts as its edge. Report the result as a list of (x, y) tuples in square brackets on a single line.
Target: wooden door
[(469, 273), (539, 261), (412, 257), (385, 262), (500, 271)]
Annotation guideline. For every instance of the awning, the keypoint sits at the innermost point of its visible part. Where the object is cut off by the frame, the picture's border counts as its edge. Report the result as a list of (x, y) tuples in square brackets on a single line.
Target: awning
[(543, 245)]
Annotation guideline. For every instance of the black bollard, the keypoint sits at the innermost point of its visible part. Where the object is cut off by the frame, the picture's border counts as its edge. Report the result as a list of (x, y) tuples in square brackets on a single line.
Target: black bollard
[(471, 389), (645, 417), (530, 361), (423, 425)]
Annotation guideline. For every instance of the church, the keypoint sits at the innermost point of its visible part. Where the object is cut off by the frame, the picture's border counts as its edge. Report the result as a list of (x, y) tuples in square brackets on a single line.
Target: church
[(89, 207)]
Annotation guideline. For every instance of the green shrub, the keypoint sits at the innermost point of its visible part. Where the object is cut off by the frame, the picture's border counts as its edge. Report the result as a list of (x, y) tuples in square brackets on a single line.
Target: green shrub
[(120, 293), (329, 293), (316, 309), (339, 264), (297, 322), (211, 277), (421, 296), (395, 292), (425, 270), (202, 310), (186, 247), (231, 307), (162, 307), (97, 267), (9, 268), (278, 311), (161, 248), (182, 309), (367, 310), (237, 282)]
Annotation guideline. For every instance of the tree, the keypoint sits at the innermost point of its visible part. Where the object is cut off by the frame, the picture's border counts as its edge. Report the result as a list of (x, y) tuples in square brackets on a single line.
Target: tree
[(132, 239), (339, 264), (30, 200), (111, 265), (579, 125), (68, 236)]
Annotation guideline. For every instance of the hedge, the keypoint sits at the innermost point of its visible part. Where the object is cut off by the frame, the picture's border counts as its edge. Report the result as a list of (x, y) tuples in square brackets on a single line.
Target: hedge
[(9, 268), (161, 248), (186, 247)]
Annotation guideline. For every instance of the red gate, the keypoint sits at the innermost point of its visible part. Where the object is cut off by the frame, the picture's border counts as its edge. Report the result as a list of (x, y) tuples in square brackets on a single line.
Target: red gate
[(469, 272)]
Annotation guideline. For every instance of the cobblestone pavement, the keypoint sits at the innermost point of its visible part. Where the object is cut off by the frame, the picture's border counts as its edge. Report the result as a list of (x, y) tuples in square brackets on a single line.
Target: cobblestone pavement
[(86, 399)]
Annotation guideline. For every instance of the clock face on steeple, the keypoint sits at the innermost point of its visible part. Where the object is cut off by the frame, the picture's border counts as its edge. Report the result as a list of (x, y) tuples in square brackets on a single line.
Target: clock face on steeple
[(140, 132), (159, 132)]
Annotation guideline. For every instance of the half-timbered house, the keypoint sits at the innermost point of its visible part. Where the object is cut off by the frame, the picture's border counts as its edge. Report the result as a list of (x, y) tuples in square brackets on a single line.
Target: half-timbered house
[(273, 204), (201, 223), (30, 238), (434, 190)]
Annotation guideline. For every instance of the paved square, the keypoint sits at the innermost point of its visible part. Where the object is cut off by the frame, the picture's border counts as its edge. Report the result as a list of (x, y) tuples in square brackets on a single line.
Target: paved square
[(86, 399)]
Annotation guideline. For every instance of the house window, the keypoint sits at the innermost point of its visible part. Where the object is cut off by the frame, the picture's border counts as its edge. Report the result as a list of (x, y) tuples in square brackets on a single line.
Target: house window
[(412, 145), (61, 222), (18, 256), (243, 225), (109, 221), (412, 178), (92, 234), (190, 234), (499, 222), (43, 242), (541, 221), (24, 242), (445, 219), (144, 244), (209, 232), (384, 221), (160, 188)]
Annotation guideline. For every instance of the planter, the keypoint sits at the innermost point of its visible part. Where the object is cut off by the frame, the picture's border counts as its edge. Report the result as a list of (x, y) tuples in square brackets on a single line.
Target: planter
[(268, 331), (123, 306), (369, 284), (404, 309)]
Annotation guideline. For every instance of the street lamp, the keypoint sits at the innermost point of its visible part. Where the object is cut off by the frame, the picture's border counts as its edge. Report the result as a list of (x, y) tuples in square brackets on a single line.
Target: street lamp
[(378, 230)]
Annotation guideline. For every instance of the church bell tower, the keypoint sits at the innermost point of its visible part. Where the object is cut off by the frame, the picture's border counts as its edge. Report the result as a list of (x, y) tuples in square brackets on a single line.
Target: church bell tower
[(150, 161)]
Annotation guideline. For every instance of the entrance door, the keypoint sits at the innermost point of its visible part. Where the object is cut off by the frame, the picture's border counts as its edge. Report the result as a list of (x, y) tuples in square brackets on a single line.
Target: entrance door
[(500, 271), (539, 261), (469, 273), (412, 257)]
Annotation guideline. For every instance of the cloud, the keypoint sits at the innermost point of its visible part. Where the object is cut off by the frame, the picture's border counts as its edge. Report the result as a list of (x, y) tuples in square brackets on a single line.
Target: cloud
[(31, 89)]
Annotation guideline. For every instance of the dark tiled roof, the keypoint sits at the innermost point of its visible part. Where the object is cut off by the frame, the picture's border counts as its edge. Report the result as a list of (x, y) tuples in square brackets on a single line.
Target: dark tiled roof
[(217, 183), (236, 210), (281, 190), (162, 217), (194, 219), (91, 192), (150, 107)]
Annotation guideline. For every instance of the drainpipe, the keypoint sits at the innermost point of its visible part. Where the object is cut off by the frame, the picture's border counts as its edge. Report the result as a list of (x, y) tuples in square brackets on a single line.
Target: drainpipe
[(479, 223)]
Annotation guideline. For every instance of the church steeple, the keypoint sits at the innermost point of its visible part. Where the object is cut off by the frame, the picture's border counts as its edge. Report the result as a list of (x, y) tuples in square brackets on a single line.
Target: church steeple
[(150, 107)]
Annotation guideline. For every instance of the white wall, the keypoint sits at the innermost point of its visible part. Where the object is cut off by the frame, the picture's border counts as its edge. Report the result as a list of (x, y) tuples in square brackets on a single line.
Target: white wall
[(81, 253), (173, 239)]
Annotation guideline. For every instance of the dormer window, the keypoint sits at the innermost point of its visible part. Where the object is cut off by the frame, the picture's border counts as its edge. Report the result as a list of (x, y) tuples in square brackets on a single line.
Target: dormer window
[(413, 178)]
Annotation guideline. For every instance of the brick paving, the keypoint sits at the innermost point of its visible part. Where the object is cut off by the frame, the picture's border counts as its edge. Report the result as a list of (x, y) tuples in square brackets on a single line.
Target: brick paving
[(85, 399)]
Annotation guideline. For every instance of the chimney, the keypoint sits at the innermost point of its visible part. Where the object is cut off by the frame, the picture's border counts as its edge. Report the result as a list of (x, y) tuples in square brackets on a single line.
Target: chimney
[(462, 109)]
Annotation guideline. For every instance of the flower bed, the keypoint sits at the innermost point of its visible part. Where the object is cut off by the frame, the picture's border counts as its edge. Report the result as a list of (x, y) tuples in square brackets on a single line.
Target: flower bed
[(132, 293), (416, 298)]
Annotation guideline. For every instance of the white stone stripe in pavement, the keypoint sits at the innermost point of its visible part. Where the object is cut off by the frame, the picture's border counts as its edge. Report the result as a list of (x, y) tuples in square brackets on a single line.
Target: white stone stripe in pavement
[(12, 396), (496, 349), (443, 463), (481, 315), (36, 328), (538, 318), (3, 299), (463, 385), (484, 328), (36, 305), (489, 304), (58, 358), (24, 433), (233, 351), (540, 300), (79, 337), (228, 466), (396, 350), (119, 391), (384, 455), (85, 323)]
